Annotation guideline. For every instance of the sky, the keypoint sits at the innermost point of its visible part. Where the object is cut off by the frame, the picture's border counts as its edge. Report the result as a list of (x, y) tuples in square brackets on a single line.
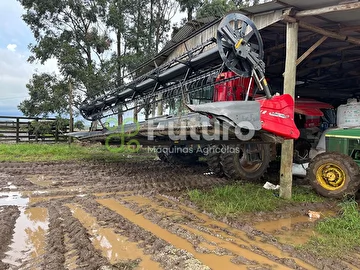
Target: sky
[(15, 71)]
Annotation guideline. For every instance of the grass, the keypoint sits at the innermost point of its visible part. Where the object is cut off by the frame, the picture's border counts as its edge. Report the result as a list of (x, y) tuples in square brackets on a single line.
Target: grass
[(337, 236), (235, 199), (23, 152)]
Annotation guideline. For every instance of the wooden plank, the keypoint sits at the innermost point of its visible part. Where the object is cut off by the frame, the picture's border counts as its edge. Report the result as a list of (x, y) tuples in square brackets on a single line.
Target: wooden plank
[(329, 9), (322, 31), (287, 147), (23, 117), (11, 131), (310, 50)]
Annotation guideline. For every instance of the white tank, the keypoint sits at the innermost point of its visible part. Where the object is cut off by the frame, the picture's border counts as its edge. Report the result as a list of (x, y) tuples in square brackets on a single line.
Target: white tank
[(348, 115)]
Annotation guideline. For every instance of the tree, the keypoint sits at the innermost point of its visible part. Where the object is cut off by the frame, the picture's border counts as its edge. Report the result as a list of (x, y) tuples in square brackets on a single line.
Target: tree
[(48, 95), (215, 8), (79, 125), (189, 6), (71, 32)]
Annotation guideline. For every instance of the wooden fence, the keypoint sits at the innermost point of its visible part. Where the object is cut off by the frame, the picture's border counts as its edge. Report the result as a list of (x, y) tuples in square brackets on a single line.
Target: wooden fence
[(28, 129)]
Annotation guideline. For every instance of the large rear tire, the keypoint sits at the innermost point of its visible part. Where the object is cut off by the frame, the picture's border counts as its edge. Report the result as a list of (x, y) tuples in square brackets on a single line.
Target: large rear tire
[(236, 166), (213, 160), (171, 156), (334, 175)]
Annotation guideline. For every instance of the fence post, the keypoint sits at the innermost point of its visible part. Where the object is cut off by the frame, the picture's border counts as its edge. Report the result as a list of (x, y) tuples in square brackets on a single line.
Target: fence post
[(57, 133), (17, 129), (36, 132)]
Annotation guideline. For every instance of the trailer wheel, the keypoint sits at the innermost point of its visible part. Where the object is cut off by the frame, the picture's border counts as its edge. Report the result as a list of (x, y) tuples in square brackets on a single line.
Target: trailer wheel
[(237, 166), (213, 160), (334, 175)]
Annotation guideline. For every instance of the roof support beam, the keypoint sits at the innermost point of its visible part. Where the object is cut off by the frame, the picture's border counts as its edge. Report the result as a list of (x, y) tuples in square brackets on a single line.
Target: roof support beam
[(318, 54), (310, 50), (321, 31), (319, 11), (283, 45), (326, 65)]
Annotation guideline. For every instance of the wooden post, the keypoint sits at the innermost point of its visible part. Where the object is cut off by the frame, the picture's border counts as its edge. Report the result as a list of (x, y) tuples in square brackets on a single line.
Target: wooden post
[(17, 130), (37, 131), (287, 147), (71, 120)]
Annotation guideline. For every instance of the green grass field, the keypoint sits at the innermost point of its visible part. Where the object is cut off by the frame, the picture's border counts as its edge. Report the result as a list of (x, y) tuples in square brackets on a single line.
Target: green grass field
[(235, 199), (24, 152)]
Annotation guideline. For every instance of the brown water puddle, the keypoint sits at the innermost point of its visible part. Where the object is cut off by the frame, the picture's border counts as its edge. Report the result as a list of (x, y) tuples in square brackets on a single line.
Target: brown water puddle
[(28, 242), (72, 190), (175, 214), (113, 246), (118, 193), (236, 236), (49, 196), (41, 180), (212, 260), (284, 231)]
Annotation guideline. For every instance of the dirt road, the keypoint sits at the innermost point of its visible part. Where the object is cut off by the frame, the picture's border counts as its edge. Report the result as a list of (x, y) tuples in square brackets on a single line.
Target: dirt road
[(72, 215)]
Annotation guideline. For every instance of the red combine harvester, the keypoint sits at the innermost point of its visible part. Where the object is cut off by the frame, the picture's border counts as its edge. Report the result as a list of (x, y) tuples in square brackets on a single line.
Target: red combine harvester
[(224, 106)]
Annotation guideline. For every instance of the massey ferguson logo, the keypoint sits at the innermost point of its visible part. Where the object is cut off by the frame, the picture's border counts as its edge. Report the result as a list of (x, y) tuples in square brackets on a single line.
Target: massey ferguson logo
[(275, 114)]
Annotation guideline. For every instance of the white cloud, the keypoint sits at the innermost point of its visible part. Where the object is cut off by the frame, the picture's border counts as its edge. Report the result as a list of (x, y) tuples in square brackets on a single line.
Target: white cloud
[(15, 70), (15, 73), (11, 47)]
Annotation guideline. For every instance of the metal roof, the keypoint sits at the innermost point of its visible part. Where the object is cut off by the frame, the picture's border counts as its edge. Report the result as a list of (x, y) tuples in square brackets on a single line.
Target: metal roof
[(331, 70), (190, 29)]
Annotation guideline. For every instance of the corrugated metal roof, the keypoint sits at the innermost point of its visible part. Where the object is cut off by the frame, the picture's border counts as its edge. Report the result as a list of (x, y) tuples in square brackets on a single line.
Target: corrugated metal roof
[(331, 70), (350, 16), (190, 29)]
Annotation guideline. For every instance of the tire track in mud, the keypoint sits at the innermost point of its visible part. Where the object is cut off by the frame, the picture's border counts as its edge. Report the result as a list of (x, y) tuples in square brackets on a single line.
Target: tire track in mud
[(115, 215), (8, 216), (55, 248), (243, 250), (168, 256)]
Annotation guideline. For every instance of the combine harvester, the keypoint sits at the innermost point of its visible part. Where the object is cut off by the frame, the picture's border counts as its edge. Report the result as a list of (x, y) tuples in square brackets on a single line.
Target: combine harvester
[(228, 111)]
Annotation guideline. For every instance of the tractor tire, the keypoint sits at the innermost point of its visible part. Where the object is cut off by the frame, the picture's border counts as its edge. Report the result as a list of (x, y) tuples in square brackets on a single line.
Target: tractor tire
[(162, 156), (213, 160), (176, 158), (180, 159), (237, 168), (334, 175)]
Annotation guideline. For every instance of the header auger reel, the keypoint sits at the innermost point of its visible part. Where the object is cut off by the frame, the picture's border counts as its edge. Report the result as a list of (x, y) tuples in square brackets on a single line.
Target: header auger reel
[(236, 36)]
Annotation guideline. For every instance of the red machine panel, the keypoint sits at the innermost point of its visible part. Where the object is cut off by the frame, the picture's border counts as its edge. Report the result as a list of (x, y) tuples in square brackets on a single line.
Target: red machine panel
[(232, 90)]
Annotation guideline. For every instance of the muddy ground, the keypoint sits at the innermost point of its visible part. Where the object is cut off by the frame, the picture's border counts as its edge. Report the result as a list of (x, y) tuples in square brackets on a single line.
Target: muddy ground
[(131, 215)]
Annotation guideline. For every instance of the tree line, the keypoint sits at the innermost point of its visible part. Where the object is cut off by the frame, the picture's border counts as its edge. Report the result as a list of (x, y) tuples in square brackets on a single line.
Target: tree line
[(97, 43)]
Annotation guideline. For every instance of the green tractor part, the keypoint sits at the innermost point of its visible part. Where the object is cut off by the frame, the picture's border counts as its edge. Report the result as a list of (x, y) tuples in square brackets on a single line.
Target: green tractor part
[(335, 173)]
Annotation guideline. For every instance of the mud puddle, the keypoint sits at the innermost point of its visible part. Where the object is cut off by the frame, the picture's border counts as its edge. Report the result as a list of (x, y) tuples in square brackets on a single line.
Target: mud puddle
[(253, 250), (41, 180), (13, 198), (116, 248), (225, 249), (29, 237), (295, 230)]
